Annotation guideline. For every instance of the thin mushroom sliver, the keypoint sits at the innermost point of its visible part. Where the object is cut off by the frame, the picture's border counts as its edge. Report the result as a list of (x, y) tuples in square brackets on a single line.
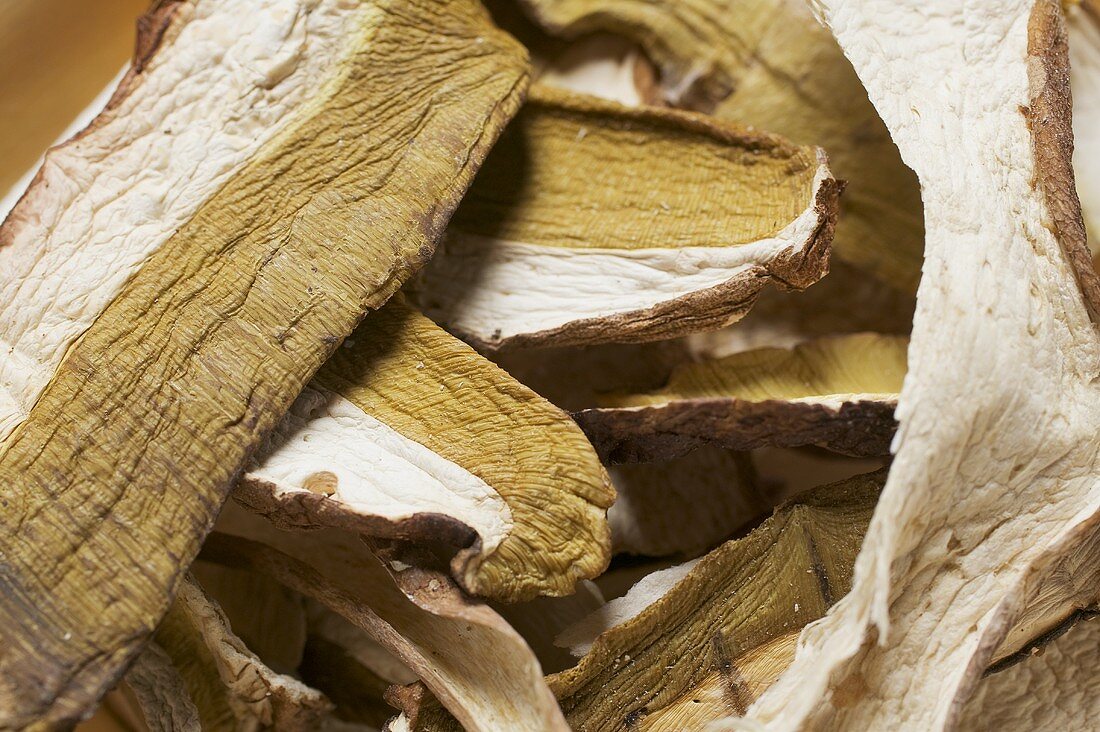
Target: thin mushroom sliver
[(177, 272), (770, 64), (593, 222), (408, 433), (230, 686), (464, 652), (838, 393), (996, 474), (681, 647)]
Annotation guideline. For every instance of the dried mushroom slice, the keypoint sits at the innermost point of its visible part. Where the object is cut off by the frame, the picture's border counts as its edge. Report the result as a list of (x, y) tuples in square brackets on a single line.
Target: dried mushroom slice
[(1083, 26), (477, 665), (693, 643), (995, 474), (684, 506), (178, 271), (1058, 689), (838, 393), (160, 694), (408, 433), (768, 63), (592, 222), (229, 685)]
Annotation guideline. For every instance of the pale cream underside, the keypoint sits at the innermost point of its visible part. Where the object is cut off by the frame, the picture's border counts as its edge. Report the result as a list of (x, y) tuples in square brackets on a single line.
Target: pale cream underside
[(1084, 57), (601, 65), (496, 289), (578, 638), (379, 471), (116, 195), (996, 455)]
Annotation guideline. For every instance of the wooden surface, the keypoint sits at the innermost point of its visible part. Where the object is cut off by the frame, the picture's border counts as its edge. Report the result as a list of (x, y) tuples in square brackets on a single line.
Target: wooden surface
[(55, 57)]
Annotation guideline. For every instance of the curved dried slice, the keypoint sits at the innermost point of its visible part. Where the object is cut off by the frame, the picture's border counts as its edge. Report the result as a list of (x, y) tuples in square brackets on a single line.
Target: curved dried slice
[(352, 669), (683, 506), (686, 645), (1058, 689), (541, 621), (229, 685), (686, 222), (838, 393), (479, 667), (1083, 26), (407, 432), (269, 619), (768, 63), (996, 475), (178, 271), (160, 694)]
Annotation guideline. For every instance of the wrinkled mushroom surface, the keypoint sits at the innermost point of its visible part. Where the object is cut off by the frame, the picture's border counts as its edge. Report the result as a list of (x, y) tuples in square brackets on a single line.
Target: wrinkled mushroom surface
[(593, 222), (177, 272), (995, 476), (408, 433)]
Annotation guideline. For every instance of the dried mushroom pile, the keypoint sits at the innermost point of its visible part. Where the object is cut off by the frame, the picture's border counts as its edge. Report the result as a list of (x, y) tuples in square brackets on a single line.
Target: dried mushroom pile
[(568, 364)]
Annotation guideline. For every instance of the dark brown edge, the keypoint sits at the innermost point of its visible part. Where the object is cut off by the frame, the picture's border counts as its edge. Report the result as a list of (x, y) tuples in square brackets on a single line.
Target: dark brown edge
[(1035, 646), (862, 428), (1049, 117), (303, 510), (702, 310)]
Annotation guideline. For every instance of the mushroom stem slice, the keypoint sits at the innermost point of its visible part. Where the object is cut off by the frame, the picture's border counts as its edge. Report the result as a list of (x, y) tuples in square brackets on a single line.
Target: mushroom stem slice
[(838, 393), (408, 433), (996, 474), (639, 224), (770, 64), (178, 271)]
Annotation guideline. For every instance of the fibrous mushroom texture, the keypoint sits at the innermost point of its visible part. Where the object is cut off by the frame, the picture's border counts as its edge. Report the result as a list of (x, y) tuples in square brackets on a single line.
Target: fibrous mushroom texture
[(995, 472), (408, 433), (541, 404), (836, 392), (178, 271), (682, 222)]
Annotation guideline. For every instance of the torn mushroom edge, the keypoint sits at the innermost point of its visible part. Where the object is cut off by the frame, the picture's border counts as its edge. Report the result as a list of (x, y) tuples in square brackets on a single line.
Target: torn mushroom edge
[(861, 428), (712, 307)]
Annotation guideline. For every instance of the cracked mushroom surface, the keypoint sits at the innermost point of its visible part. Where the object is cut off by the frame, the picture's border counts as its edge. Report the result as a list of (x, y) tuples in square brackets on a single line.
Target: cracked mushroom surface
[(178, 270), (407, 433), (680, 222), (995, 474)]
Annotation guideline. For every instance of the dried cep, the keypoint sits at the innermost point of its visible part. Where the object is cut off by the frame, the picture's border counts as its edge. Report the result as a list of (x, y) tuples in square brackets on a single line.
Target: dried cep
[(837, 393), (470, 659), (995, 474), (674, 652), (178, 271), (769, 64), (230, 687), (650, 246), (159, 693), (408, 433)]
